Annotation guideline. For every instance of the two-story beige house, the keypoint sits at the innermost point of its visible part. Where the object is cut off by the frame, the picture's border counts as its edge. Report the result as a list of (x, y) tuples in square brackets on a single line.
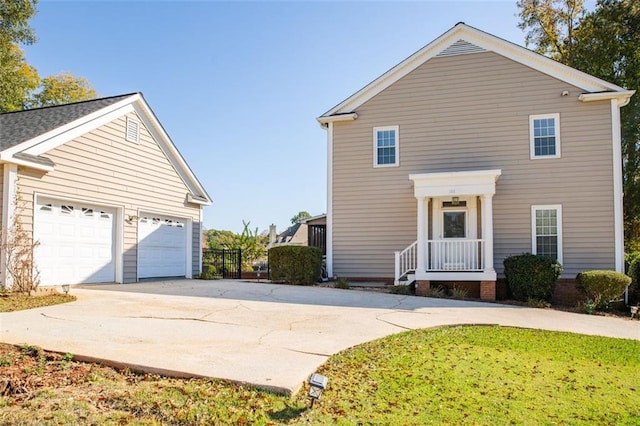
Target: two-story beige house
[(103, 190), (469, 151)]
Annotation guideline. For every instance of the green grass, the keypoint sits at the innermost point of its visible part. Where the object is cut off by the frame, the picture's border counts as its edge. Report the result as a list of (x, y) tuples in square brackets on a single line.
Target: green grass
[(10, 302), (454, 375)]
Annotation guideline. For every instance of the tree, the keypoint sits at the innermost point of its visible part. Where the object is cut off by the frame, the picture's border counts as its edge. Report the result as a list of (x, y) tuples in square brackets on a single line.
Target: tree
[(302, 215), (604, 43), (19, 79), (551, 25), (63, 89), (21, 85)]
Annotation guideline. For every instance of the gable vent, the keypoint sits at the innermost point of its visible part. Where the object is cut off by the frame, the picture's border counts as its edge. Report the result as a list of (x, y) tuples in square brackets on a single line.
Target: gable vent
[(133, 130), (461, 47)]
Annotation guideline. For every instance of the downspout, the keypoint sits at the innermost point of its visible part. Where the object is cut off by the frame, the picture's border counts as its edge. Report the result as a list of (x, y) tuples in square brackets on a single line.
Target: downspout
[(329, 236), (618, 212)]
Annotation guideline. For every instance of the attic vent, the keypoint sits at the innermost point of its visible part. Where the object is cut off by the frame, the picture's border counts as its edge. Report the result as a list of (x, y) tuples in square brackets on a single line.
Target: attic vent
[(461, 47), (133, 130)]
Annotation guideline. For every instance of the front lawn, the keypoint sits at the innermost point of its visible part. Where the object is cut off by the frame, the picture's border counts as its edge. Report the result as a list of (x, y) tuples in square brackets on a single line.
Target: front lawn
[(456, 375)]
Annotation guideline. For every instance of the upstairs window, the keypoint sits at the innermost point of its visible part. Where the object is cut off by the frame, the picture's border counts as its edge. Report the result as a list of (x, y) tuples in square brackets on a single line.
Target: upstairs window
[(385, 146), (544, 131)]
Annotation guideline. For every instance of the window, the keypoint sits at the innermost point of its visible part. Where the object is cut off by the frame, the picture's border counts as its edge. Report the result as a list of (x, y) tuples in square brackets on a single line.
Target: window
[(454, 224), (544, 131), (546, 224), (133, 130), (385, 146)]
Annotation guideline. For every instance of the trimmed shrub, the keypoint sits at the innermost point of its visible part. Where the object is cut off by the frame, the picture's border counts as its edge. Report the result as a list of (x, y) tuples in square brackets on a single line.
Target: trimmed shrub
[(530, 276), (299, 265), (602, 287), (632, 264)]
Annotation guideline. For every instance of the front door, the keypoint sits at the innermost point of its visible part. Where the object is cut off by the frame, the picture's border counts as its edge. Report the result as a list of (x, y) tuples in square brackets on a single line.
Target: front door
[(454, 246)]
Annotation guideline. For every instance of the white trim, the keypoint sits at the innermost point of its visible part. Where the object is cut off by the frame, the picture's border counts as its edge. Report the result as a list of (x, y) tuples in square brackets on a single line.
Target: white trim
[(118, 231), (200, 238), (618, 209), (7, 158), (189, 253), (486, 204), (448, 184), (622, 98), (329, 230), (558, 209), (422, 226), (483, 40), (396, 146), (324, 121), (532, 148), (189, 239), (8, 214)]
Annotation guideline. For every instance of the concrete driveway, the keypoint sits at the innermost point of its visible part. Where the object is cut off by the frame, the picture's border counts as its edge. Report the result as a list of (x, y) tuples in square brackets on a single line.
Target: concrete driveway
[(272, 336)]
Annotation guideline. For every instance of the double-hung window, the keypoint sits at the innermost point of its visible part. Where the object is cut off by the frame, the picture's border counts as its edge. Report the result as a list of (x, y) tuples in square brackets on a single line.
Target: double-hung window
[(544, 134), (546, 230), (386, 151)]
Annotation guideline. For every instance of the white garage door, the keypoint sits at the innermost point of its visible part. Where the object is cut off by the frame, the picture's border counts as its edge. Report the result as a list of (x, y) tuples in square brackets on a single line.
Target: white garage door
[(162, 247), (76, 242)]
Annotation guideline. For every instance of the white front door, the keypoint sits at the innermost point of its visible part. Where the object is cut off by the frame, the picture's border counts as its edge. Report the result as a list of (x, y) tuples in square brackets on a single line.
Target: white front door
[(76, 242), (454, 233), (162, 247)]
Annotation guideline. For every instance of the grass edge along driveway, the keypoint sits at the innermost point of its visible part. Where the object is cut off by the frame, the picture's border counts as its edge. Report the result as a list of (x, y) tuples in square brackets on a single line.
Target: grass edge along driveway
[(455, 375)]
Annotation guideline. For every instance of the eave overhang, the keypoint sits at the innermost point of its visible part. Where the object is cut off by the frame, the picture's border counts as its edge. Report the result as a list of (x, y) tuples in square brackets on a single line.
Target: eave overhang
[(623, 97)]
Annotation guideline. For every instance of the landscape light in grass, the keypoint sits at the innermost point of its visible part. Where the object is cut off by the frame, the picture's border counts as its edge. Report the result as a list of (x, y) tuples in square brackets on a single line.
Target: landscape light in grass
[(65, 288), (317, 383)]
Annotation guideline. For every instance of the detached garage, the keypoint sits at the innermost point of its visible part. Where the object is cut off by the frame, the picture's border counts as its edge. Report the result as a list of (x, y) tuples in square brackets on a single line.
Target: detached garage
[(103, 190)]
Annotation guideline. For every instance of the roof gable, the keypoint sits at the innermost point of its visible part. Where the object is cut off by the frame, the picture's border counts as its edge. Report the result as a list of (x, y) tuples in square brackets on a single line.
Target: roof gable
[(464, 39), (51, 127)]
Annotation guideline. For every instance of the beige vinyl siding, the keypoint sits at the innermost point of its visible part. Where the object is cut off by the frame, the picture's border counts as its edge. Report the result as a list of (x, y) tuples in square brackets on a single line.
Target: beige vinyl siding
[(103, 168), (471, 112)]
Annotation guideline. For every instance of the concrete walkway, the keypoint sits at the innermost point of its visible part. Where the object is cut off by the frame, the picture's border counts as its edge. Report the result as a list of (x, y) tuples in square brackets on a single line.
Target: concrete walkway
[(272, 336)]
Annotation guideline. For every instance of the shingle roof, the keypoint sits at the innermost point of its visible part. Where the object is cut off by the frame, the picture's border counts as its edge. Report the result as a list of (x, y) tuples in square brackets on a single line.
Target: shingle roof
[(20, 126), (288, 233)]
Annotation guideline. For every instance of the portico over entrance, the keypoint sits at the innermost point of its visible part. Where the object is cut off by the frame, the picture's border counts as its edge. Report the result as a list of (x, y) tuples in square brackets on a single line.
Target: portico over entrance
[(454, 228)]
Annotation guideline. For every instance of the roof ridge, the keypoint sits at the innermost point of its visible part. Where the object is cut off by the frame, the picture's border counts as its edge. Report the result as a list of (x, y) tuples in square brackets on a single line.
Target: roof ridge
[(72, 103)]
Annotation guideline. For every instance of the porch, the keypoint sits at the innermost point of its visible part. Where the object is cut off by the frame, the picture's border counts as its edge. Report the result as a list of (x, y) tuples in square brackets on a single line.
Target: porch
[(454, 230)]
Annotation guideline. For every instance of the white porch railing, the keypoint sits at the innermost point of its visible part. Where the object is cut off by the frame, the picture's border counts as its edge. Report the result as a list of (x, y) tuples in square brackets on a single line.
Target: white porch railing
[(455, 255), (406, 261)]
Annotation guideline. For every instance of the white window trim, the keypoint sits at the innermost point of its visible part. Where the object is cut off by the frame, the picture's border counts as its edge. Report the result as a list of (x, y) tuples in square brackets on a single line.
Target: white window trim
[(375, 146), (558, 209), (126, 131), (532, 149)]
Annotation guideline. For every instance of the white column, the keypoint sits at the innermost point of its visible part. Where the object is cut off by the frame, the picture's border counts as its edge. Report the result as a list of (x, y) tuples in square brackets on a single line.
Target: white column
[(329, 228), (487, 231), (8, 215), (423, 216)]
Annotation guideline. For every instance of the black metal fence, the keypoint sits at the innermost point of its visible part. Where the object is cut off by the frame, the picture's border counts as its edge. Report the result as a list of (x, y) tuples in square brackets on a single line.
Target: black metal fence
[(222, 263)]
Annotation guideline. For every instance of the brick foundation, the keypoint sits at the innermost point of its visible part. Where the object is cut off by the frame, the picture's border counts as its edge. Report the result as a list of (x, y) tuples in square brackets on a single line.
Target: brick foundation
[(566, 293), (422, 287), (487, 290)]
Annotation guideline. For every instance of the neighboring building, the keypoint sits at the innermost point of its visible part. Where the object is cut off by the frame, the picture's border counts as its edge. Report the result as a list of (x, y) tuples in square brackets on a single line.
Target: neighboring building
[(469, 151), (308, 232), (103, 189)]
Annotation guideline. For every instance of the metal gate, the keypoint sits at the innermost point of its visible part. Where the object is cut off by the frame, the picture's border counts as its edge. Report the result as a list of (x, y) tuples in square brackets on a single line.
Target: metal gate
[(223, 263)]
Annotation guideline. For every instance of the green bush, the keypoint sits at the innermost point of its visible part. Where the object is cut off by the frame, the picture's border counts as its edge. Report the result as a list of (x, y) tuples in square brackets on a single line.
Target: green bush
[(602, 287), (632, 266), (299, 265), (530, 276)]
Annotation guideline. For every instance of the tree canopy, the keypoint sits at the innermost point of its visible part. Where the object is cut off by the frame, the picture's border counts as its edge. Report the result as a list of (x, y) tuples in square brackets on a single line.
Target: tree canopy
[(302, 215), (605, 43), (21, 86)]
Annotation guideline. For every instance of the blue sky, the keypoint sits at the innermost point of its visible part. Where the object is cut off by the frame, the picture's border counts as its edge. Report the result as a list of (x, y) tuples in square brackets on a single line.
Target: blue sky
[(238, 85)]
